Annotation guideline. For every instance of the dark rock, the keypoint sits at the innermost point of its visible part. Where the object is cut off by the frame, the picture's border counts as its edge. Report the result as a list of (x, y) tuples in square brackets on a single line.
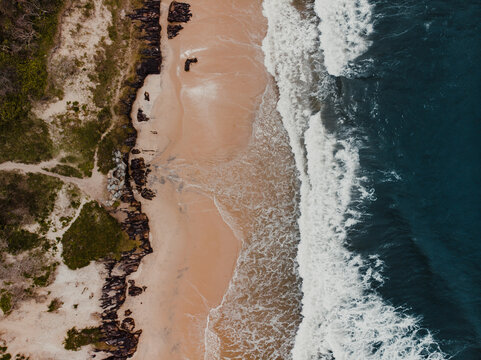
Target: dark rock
[(128, 324), (135, 290), (141, 116), (147, 194), (121, 340), (179, 12), (127, 312), (173, 30), (146, 96), (188, 62)]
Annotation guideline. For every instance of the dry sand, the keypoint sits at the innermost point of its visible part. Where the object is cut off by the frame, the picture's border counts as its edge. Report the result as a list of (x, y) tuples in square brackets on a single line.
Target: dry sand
[(197, 119)]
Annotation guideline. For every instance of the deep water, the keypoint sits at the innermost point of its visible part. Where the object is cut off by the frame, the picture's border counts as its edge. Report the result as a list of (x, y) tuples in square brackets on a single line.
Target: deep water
[(415, 104)]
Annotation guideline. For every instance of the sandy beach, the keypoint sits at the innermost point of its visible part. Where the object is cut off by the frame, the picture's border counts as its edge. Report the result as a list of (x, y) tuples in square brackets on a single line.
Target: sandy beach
[(198, 120)]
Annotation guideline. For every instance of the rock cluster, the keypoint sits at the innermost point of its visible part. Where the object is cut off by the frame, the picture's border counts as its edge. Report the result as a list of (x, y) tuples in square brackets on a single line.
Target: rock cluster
[(151, 58), (147, 194), (179, 12), (134, 290), (139, 172), (173, 30), (188, 62), (120, 336), (116, 178), (141, 116)]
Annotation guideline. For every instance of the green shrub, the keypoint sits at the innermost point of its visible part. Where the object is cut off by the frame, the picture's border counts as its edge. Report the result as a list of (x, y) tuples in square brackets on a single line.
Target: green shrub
[(94, 235), (5, 301), (77, 338), (19, 240), (25, 198), (54, 305), (23, 66)]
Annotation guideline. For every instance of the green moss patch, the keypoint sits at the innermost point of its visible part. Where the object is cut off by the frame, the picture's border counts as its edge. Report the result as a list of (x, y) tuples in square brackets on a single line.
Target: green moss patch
[(5, 301), (94, 235), (77, 338)]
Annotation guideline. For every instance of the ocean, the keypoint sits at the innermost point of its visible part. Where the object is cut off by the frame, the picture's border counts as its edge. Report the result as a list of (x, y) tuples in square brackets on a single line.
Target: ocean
[(366, 244)]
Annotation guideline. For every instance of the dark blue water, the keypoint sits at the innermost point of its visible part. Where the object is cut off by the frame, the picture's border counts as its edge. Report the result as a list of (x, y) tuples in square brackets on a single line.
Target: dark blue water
[(417, 106)]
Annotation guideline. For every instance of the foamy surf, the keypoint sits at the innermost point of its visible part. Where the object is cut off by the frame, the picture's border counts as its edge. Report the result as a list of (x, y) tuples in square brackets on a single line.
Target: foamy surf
[(343, 317), (344, 29)]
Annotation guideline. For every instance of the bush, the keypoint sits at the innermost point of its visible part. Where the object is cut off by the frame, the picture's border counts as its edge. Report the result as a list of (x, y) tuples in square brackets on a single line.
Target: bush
[(25, 198), (5, 301), (77, 338), (19, 240), (94, 235)]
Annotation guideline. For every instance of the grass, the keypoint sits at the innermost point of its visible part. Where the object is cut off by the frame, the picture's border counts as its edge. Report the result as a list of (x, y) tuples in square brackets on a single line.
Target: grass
[(66, 170), (5, 301), (77, 338), (54, 305), (19, 240), (94, 235), (79, 139), (121, 32), (26, 198), (24, 66), (43, 280)]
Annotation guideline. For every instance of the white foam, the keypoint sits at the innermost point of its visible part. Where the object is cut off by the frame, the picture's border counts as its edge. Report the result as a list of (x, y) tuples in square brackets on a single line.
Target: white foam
[(343, 317), (344, 29)]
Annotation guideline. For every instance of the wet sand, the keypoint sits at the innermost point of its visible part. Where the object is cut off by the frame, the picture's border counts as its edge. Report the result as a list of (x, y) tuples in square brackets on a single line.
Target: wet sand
[(198, 120)]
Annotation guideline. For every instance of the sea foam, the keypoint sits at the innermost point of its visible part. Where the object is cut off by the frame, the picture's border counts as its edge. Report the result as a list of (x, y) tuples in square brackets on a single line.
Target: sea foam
[(345, 26), (343, 317)]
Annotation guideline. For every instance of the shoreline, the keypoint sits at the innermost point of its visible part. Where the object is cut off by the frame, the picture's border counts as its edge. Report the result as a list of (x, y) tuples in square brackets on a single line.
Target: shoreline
[(198, 119)]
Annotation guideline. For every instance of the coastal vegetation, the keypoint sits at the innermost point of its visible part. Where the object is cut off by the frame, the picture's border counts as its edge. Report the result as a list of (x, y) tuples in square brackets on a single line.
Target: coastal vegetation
[(24, 199), (68, 104), (27, 32), (77, 338), (94, 235)]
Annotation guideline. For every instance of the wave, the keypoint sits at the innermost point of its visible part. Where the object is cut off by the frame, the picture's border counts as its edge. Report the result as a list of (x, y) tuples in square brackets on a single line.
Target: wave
[(343, 316), (345, 26)]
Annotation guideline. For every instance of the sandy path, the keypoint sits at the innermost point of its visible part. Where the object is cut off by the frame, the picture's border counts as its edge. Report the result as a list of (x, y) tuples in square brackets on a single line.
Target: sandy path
[(199, 119), (94, 186)]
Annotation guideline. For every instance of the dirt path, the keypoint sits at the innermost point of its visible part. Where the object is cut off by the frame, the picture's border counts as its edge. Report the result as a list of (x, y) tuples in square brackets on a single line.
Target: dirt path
[(94, 186)]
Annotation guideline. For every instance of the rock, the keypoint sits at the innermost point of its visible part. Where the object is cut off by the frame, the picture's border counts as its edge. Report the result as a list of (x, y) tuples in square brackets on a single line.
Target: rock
[(173, 30), (146, 96), (147, 194), (135, 290), (141, 116), (135, 151), (188, 62), (128, 324), (127, 312), (179, 12)]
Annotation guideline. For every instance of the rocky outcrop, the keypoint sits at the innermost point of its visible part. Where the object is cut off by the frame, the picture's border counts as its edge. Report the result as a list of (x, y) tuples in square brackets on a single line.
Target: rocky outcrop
[(116, 178), (173, 30), (188, 62), (179, 12), (147, 194), (150, 57), (120, 335), (141, 116)]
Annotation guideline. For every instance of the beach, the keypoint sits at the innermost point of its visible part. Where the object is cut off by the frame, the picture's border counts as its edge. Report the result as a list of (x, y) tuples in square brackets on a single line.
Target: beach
[(198, 120)]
